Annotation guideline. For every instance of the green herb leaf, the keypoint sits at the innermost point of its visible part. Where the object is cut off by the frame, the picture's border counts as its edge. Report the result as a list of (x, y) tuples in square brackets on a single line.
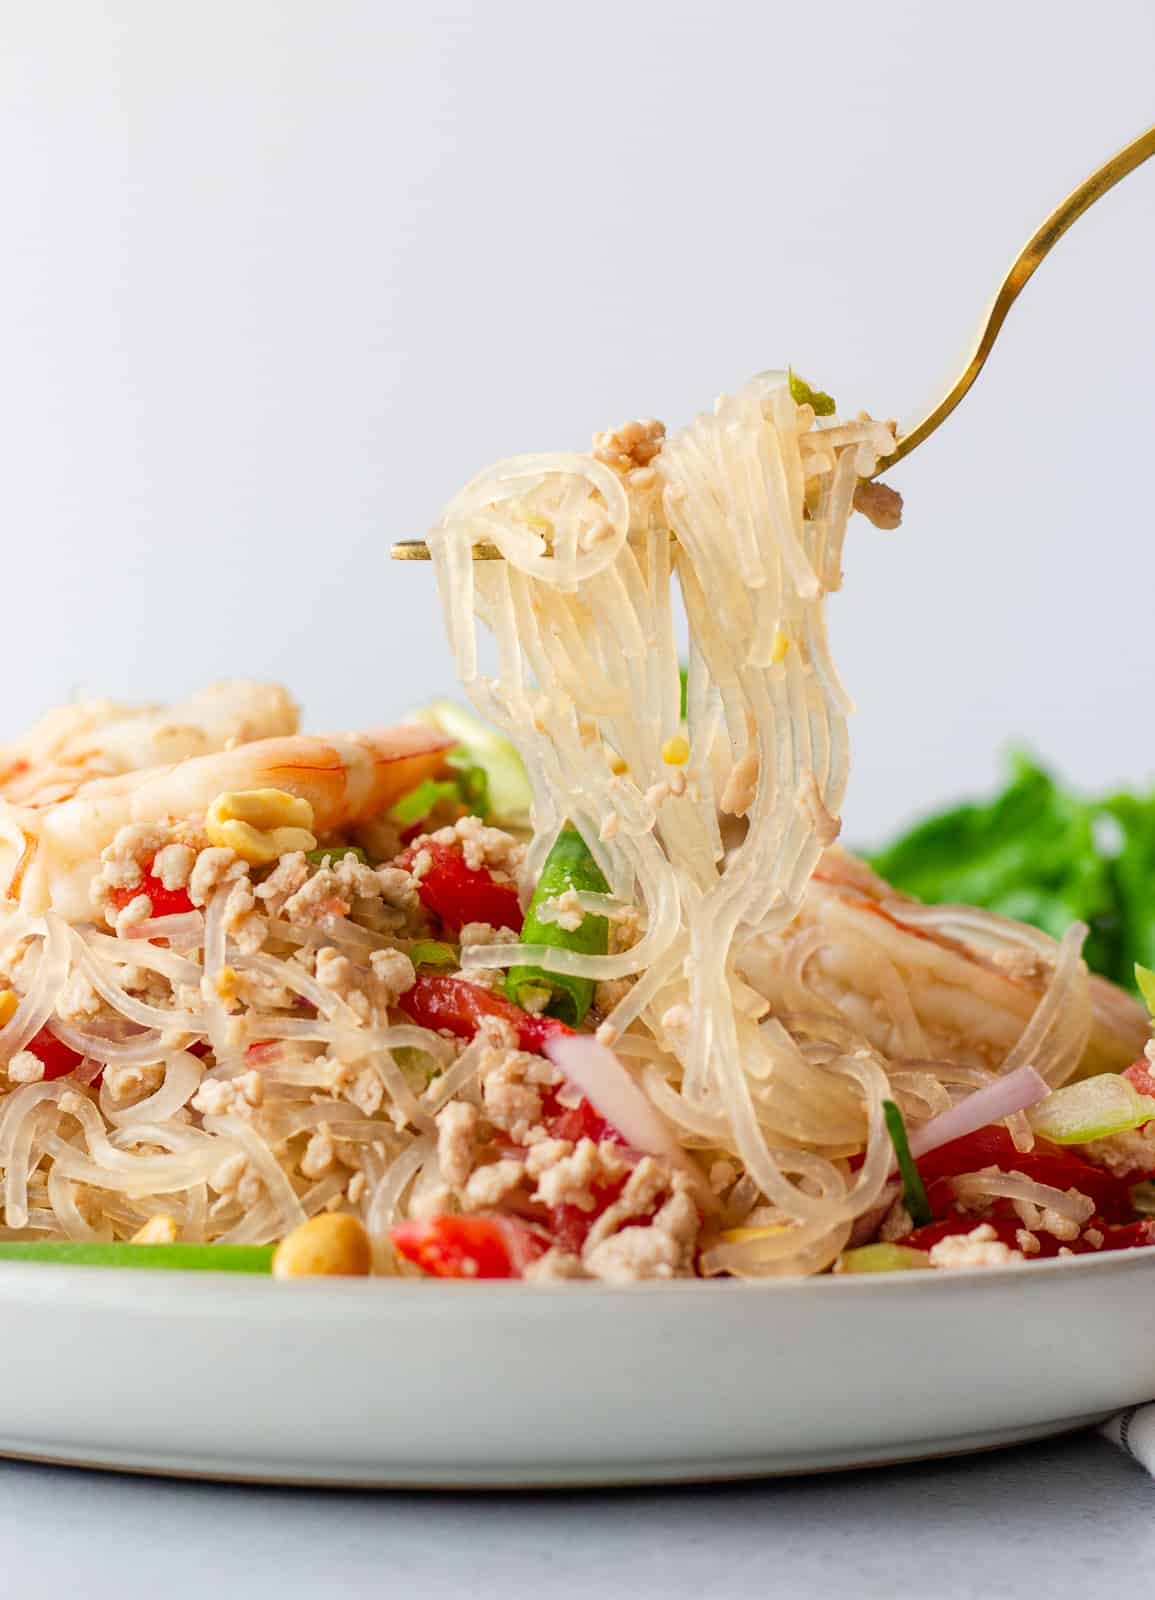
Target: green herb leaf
[(1040, 854), (472, 784), (432, 953), (335, 853), (913, 1192), (804, 395), (419, 802)]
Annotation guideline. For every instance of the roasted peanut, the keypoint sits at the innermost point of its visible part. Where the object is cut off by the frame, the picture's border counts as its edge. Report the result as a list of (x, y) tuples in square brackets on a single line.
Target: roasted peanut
[(260, 825), (334, 1245)]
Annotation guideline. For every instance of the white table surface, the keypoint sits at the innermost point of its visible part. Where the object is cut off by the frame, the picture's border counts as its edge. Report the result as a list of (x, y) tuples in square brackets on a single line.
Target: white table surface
[(1058, 1519)]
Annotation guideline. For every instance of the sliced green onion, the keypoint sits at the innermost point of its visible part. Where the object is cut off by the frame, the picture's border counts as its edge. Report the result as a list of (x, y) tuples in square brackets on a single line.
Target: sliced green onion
[(336, 852), (432, 953), (419, 802), (1093, 1108), (913, 1192), (472, 783), (468, 787), (883, 1258), (569, 865), (804, 395), (167, 1257), (509, 794)]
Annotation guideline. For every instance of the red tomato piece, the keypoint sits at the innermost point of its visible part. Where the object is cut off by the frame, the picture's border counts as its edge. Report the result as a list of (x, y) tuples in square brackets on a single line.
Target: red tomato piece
[(58, 1058), (569, 1225), (1046, 1163), (165, 902), (576, 1122), (468, 1247), (456, 893), (1127, 1236), (458, 1006)]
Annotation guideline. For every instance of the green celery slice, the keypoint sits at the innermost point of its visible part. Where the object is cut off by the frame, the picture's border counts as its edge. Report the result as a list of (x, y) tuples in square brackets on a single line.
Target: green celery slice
[(167, 1257)]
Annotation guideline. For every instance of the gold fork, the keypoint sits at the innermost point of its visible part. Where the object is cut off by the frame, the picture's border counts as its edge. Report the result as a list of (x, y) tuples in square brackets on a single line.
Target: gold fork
[(1025, 264)]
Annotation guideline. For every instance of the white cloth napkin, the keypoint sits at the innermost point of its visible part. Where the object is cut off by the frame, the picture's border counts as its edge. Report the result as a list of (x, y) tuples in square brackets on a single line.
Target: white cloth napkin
[(1133, 1430)]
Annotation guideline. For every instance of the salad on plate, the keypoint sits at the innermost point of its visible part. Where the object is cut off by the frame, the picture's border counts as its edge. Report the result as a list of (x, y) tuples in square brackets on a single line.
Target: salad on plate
[(579, 984)]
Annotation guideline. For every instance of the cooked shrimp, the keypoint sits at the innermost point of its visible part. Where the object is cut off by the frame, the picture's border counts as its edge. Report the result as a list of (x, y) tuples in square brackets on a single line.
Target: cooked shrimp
[(100, 738), (957, 984), (50, 853)]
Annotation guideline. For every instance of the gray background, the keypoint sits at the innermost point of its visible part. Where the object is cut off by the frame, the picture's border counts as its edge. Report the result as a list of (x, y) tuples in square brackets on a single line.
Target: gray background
[(278, 277), (1069, 1520)]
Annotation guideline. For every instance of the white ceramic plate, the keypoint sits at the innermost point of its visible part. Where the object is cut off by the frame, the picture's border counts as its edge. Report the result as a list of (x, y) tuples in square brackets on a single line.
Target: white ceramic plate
[(471, 1385)]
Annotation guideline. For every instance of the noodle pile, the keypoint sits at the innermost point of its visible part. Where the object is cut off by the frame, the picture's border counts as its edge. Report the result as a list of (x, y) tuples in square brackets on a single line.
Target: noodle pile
[(587, 686)]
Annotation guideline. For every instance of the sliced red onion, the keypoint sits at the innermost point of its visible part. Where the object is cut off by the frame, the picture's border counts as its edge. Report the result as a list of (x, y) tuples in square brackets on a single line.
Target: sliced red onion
[(608, 1087), (1000, 1099)]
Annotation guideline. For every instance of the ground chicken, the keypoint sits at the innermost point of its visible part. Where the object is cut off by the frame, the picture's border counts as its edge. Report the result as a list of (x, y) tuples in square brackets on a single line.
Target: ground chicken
[(982, 1247), (126, 1085), (214, 866), (25, 1067), (555, 1266), (241, 922), (573, 1179), (1121, 1153), (646, 1184), (394, 975), (289, 875), (398, 889), (482, 846), (544, 1154), (172, 865), (511, 1084), (457, 1127), (318, 1156), (321, 895), (664, 1249), (135, 911), (565, 910), (879, 503), (336, 973), (77, 999), (220, 1097), (488, 1186), (123, 862), (634, 1254), (237, 1184), (366, 1092), (634, 444)]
